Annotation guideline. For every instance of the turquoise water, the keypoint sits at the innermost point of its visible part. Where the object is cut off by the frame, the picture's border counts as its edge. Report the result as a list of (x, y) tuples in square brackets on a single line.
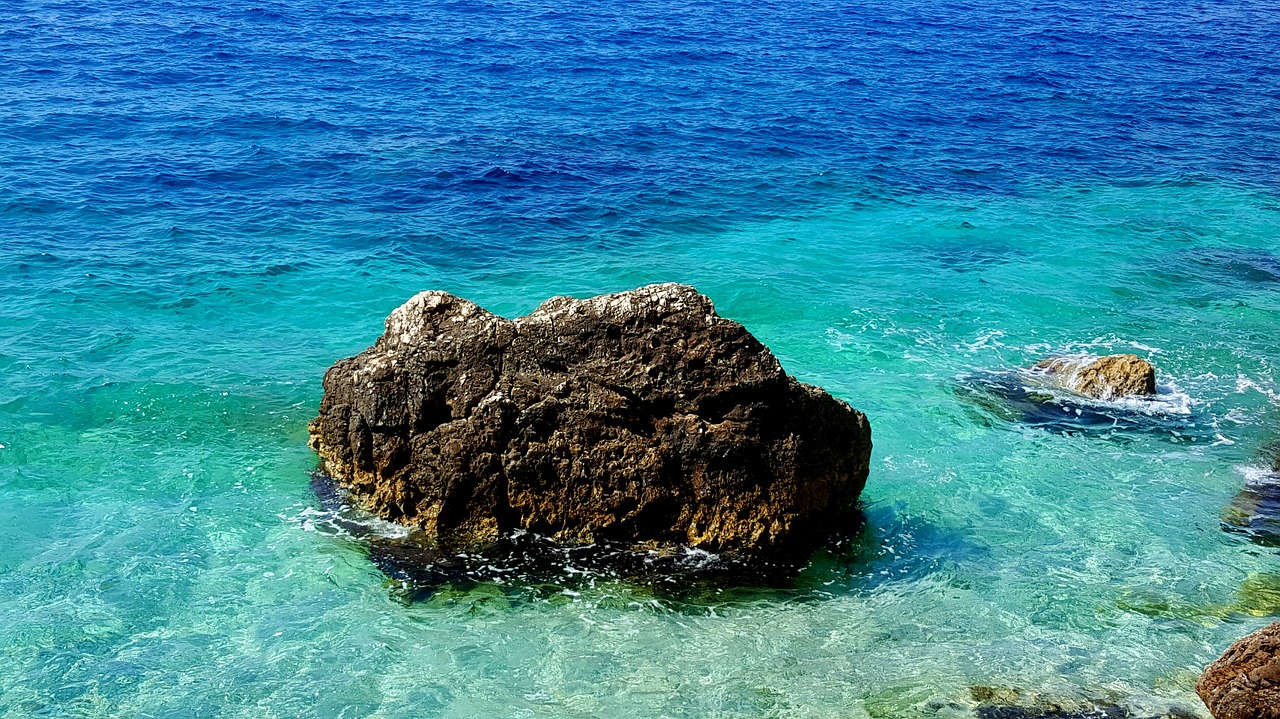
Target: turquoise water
[(202, 208), (157, 560)]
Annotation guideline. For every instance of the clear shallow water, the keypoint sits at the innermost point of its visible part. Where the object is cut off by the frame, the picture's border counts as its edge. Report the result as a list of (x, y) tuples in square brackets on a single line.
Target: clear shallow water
[(205, 207)]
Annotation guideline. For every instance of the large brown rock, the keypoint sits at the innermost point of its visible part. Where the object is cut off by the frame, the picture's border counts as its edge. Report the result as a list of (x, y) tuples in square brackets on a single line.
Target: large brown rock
[(640, 416), (1109, 377), (1245, 681)]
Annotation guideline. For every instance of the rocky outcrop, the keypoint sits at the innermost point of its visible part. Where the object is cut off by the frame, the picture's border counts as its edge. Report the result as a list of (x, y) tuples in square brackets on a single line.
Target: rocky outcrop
[(1245, 682), (635, 417), (1107, 378)]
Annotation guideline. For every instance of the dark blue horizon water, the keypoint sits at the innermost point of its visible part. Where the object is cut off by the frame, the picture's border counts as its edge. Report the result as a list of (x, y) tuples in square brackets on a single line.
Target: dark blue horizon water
[(204, 206), (470, 123)]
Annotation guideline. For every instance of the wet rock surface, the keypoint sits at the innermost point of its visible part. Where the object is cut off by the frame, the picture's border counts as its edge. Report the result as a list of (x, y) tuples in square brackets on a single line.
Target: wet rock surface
[(1244, 683), (640, 418), (1106, 378)]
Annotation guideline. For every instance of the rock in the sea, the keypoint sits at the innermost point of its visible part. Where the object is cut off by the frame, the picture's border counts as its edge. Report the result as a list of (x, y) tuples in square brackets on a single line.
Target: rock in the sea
[(1108, 378), (641, 416), (1245, 681), (1255, 510)]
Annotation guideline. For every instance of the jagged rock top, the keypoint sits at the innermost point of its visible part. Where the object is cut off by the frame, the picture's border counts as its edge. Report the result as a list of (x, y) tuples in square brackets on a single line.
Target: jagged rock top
[(1244, 683), (635, 416)]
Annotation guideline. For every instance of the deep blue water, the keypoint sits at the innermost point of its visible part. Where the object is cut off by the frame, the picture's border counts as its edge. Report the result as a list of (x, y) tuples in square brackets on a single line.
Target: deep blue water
[(443, 128), (203, 207)]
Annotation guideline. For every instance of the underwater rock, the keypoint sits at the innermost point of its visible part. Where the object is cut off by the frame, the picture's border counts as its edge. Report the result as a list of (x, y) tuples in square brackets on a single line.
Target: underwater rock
[(1257, 596), (1034, 398), (1010, 703), (1255, 510), (1107, 378), (637, 417), (1104, 711), (1244, 683)]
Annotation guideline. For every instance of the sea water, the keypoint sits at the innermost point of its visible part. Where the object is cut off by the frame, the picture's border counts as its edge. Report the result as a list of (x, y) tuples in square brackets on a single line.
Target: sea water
[(202, 207)]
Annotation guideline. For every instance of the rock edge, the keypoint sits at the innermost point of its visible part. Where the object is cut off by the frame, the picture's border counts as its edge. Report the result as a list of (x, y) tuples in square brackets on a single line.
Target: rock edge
[(1244, 683)]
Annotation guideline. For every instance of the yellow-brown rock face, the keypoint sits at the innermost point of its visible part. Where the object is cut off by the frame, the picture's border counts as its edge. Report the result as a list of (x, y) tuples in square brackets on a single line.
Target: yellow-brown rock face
[(1245, 682), (1109, 377)]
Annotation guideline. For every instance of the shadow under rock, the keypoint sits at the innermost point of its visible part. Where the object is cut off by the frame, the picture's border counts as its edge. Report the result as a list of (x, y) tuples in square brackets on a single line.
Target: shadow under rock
[(524, 565)]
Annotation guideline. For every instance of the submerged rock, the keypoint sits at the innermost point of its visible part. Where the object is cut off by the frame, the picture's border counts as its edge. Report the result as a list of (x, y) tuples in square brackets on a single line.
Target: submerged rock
[(1102, 711), (637, 417), (1010, 703), (1107, 378), (1024, 397), (1109, 396), (1257, 596), (1255, 510), (1244, 683)]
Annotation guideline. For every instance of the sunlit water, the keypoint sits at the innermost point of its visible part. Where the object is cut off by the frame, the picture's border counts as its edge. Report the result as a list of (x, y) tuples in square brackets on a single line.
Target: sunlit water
[(204, 208)]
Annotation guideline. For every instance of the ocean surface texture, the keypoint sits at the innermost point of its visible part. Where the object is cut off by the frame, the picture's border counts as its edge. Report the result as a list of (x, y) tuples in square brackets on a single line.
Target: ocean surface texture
[(204, 206)]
